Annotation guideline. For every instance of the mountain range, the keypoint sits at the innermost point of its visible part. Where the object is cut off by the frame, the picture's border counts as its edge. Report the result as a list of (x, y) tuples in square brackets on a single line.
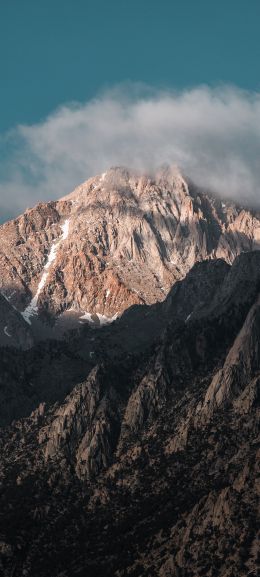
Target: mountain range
[(129, 383)]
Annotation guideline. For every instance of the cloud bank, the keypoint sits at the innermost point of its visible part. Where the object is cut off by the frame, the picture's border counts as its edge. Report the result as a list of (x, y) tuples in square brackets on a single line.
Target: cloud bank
[(213, 135)]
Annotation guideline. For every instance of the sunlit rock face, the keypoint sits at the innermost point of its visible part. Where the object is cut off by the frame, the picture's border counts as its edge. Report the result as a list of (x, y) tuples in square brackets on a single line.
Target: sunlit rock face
[(119, 239)]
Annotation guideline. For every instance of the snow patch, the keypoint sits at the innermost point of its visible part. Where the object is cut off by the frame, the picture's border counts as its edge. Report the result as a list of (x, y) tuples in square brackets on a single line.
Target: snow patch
[(6, 332), (32, 308), (188, 317), (103, 320), (87, 317), (65, 229)]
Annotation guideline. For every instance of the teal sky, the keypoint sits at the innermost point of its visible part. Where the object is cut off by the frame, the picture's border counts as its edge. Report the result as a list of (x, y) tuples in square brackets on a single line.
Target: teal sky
[(90, 84), (57, 51)]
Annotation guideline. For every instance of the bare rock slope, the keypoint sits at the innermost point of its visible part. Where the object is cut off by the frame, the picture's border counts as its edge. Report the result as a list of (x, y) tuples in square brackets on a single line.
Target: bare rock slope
[(119, 239), (131, 448), (150, 465)]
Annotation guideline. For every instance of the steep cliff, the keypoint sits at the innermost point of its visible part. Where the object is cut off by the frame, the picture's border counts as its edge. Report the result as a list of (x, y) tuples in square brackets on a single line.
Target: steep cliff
[(119, 239), (149, 466)]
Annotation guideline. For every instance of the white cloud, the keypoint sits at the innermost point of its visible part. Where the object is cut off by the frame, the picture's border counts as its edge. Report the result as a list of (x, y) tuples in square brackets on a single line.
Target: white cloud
[(212, 134)]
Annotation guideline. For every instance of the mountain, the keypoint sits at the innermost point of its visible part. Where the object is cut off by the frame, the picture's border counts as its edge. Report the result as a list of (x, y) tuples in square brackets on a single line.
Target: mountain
[(119, 239), (141, 454), (129, 383)]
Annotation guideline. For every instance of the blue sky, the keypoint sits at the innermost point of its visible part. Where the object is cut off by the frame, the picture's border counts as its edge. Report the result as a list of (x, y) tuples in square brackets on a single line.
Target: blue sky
[(57, 51), (86, 84)]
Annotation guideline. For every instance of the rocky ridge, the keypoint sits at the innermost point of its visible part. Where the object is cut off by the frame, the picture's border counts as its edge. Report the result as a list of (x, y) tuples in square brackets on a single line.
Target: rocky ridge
[(150, 465), (128, 239), (130, 448)]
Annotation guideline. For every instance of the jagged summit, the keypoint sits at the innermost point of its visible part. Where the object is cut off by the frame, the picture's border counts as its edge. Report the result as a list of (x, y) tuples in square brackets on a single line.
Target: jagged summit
[(120, 178), (128, 238)]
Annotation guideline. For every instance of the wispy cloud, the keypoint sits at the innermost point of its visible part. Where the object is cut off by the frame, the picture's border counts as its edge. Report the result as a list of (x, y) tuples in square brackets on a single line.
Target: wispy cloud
[(212, 134)]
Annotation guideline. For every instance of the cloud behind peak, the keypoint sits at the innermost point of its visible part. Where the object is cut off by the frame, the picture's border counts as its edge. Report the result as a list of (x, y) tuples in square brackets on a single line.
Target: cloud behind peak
[(213, 135)]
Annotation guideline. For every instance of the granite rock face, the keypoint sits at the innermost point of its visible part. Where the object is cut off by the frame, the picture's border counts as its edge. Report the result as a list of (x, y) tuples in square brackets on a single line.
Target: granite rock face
[(119, 239), (149, 464)]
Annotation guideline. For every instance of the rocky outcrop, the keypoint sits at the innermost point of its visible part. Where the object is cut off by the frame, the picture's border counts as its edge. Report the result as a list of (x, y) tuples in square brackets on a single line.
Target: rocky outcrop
[(134, 471), (240, 370), (144, 403), (84, 429)]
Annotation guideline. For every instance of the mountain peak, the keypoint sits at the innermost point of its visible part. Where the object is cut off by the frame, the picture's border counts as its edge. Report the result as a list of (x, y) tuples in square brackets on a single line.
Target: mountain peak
[(119, 178), (129, 238)]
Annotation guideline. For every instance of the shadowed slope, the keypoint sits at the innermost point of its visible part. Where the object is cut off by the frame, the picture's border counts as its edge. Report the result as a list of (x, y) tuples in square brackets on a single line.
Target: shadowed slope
[(149, 466)]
